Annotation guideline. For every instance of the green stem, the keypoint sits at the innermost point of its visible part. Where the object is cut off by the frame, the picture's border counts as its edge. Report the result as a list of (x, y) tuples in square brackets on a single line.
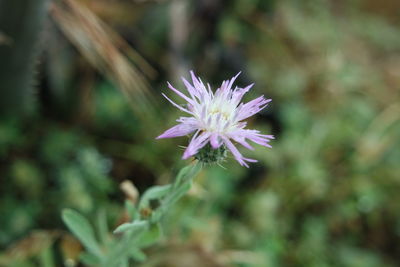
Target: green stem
[(20, 25), (130, 239)]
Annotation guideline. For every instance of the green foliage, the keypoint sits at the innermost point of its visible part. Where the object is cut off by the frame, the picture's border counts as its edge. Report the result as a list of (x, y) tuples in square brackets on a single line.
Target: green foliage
[(326, 194), (136, 226), (21, 24), (143, 231), (82, 230)]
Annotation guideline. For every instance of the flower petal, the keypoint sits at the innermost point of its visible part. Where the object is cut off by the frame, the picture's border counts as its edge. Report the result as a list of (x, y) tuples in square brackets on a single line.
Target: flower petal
[(238, 94), (214, 141), (241, 140), (241, 135), (239, 158), (197, 142), (178, 130), (180, 94), (252, 107), (176, 105), (229, 86), (201, 89), (191, 89)]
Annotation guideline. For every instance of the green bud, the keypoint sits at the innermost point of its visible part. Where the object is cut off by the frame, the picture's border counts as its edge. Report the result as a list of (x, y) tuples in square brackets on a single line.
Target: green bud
[(210, 155)]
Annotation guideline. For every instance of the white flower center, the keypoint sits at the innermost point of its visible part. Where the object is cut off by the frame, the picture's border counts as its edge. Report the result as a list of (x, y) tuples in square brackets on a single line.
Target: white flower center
[(218, 116)]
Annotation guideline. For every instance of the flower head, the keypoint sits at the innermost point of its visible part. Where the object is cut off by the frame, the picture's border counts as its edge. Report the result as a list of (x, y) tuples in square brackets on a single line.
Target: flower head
[(217, 118)]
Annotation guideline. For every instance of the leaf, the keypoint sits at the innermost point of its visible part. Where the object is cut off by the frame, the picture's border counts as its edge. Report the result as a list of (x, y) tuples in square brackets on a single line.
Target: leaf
[(135, 226), (89, 259), (131, 209), (155, 192), (151, 236), (179, 193), (46, 258), (102, 227), (138, 255), (124, 263), (187, 173), (169, 201), (81, 228)]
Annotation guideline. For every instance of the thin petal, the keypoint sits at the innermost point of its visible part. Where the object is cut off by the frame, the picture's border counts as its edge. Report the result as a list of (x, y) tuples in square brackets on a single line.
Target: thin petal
[(178, 130), (176, 105), (180, 94), (197, 142), (242, 160), (199, 85), (214, 141), (239, 93), (252, 107), (243, 142), (241, 135), (191, 89), (233, 80)]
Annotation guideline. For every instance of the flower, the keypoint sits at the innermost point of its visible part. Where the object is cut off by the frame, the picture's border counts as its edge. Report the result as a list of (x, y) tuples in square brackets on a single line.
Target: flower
[(217, 118)]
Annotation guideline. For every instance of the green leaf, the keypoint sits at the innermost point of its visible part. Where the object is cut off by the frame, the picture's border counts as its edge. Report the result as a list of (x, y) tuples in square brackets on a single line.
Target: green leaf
[(46, 258), (169, 201), (138, 255), (131, 209), (182, 190), (82, 229), (102, 227), (135, 226), (155, 192), (186, 174), (177, 194), (151, 236), (124, 263), (89, 259)]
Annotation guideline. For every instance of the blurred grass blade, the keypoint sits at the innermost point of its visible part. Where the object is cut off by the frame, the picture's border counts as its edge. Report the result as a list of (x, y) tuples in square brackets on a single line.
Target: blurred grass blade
[(82, 229), (98, 44)]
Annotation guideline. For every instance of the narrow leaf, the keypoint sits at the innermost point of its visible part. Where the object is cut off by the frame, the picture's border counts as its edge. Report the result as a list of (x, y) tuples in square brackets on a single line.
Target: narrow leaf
[(155, 192), (138, 255), (187, 173), (82, 229), (89, 259), (135, 226), (102, 227), (131, 209), (179, 193), (151, 236)]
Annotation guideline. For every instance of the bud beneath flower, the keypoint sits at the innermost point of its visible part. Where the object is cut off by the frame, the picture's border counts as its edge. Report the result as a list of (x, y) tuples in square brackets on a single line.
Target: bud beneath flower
[(209, 155)]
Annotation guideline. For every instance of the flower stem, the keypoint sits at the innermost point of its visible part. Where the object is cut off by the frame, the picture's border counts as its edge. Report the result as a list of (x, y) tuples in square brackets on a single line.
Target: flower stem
[(134, 233)]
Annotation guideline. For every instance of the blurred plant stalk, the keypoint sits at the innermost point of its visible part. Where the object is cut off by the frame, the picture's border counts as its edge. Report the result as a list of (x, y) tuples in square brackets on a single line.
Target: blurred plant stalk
[(178, 35), (109, 53), (21, 22)]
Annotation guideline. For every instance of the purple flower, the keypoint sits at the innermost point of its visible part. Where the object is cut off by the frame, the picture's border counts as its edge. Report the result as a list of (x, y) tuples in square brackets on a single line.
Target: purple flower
[(217, 118)]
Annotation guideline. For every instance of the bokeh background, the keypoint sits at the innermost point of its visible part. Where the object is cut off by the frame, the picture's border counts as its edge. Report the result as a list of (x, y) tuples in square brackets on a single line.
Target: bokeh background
[(81, 104)]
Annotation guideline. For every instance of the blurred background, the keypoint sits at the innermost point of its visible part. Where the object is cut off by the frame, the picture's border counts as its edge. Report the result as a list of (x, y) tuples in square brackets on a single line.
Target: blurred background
[(81, 104)]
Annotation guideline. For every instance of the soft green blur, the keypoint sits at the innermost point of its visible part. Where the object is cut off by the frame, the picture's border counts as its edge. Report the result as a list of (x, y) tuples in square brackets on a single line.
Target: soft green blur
[(326, 194)]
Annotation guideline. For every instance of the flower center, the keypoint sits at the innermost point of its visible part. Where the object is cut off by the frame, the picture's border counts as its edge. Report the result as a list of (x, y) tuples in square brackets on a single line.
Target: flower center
[(225, 115)]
